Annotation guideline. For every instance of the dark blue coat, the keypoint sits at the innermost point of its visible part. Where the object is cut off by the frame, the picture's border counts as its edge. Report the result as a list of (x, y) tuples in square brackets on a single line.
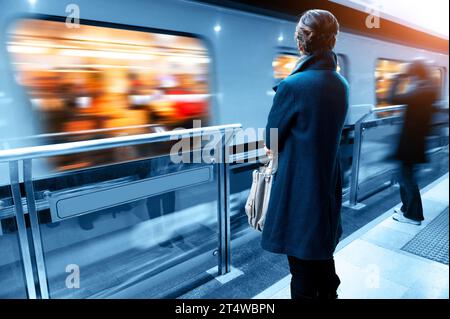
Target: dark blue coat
[(309, 110)]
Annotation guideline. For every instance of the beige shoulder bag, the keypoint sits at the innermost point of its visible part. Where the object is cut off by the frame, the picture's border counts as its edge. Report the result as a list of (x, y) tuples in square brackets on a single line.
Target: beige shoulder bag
[(258, 199)]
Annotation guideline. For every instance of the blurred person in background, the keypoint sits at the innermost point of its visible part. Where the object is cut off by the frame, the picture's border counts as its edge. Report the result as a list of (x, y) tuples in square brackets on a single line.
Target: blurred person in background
[(419, 96)]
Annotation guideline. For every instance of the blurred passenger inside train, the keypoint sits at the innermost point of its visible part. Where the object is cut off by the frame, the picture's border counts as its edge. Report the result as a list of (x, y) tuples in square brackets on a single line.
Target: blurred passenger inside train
[(419, 95), (308, 111), (188, 99)]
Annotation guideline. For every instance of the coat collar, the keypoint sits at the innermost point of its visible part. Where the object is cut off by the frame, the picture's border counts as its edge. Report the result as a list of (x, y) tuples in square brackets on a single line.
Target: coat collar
[(323, 60)]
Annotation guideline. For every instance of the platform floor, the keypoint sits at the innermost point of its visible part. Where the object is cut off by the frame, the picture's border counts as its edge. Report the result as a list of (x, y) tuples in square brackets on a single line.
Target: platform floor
[(372, 264)]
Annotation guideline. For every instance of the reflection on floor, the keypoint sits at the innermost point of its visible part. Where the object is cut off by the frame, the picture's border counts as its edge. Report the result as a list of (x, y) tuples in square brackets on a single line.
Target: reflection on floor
[(372, 264)]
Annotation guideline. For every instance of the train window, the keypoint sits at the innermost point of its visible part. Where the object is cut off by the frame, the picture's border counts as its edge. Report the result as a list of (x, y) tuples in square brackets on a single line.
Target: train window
[(284, 64), (96, 78), (386, 69)]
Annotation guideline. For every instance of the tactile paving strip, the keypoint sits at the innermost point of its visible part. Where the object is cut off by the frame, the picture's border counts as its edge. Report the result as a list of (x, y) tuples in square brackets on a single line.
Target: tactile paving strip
[(432, 241)]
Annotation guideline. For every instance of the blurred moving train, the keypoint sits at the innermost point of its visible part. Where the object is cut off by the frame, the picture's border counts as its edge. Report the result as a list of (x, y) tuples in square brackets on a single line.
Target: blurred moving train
[(131, 67), (145, 63)]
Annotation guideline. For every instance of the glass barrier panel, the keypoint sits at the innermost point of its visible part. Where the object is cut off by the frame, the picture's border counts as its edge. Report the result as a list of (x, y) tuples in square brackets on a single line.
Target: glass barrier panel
[(380, 138), (377, 162), (140, 229)]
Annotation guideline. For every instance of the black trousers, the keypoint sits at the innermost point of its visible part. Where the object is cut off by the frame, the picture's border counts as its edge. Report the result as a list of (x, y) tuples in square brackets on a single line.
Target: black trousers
[(313, 279), (410, 193)]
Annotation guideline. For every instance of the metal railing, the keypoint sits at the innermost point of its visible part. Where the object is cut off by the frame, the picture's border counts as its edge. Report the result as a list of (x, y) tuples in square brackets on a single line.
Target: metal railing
[(106, 143), (27, 154)]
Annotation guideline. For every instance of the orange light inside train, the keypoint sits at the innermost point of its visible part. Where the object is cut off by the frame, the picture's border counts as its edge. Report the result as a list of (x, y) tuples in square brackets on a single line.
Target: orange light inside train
[(284, 64), (96, 78)]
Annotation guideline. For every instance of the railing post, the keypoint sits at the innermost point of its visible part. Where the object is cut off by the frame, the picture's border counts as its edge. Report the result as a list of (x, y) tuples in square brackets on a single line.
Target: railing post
[(22, 229), (35, 230), (224, 209), (355, 164)]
